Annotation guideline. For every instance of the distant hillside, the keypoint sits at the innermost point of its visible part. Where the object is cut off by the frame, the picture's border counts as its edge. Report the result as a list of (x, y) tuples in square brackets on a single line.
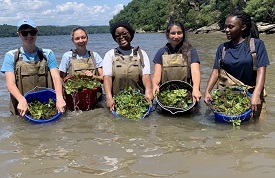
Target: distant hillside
[(153, 15), (10, 31)]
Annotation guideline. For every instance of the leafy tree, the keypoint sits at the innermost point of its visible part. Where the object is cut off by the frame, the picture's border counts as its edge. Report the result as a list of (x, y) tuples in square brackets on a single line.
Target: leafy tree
[(261, 10)]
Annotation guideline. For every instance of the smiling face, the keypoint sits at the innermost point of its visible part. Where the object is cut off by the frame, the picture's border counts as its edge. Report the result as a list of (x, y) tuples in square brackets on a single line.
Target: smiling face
[(234, 29), (175, 35), (80, 39), (28, 36), (123, 38)]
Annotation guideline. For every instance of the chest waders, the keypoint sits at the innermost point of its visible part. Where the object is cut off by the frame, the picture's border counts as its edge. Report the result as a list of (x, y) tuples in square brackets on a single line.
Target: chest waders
[(225, 79), (127, 71), (28, 75), (176, 67), (79, 66)]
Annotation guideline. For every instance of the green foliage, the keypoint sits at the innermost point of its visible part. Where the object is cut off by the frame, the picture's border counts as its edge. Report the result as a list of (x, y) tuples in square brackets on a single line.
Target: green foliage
[(261, 10), (130, 104), (42, 111), (78, 82), (230, 101), (178, 98), (153, 15)]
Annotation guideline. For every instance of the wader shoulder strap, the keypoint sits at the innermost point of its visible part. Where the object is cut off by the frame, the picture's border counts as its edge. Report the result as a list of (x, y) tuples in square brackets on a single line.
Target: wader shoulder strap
[(92, 57), (253, 53), (189, 65), (73, 54), (16, 57), (138, 50), (41, 54)]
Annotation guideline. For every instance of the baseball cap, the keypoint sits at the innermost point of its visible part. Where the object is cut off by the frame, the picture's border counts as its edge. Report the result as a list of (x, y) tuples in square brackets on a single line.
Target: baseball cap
[(29, 22)]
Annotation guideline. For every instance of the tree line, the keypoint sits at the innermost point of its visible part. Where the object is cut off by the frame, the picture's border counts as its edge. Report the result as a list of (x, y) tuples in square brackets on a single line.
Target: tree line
[(153, 15), (10, 31)]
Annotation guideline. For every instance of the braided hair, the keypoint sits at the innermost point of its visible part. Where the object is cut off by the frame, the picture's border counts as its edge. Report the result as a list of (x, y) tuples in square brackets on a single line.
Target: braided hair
[(251, 30)]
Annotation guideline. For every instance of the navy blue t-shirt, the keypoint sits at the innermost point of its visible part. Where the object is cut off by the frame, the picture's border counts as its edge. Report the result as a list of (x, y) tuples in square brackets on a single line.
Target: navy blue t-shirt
[(238, 60), (160, 52)]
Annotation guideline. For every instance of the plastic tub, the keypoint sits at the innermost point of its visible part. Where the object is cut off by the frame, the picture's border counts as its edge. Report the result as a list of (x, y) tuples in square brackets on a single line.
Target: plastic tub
[(42, 95), (143, 116), (173, 85), (242, 117), (82, 100)]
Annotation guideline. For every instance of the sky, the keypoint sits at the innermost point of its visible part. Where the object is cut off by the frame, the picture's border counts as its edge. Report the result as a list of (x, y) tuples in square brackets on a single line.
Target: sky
[(60, 12)]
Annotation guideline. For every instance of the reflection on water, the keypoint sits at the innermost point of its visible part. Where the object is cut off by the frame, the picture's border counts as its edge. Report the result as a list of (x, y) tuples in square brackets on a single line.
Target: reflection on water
[(95, 143)]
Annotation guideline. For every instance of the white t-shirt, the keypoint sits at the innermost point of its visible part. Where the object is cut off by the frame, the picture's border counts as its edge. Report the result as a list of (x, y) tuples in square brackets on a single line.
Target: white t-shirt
[(108, 60)]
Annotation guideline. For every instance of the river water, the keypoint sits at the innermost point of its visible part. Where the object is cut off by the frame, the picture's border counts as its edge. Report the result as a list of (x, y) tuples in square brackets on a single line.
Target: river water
[(96, 144)]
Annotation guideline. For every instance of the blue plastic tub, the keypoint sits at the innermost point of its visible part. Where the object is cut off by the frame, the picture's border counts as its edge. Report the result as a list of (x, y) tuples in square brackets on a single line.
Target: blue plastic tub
[(242, 117), (42, 95), (145, 114), (121, 117)]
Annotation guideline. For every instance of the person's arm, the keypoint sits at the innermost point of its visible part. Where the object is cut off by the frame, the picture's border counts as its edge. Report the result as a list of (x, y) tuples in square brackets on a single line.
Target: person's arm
[(210, 84), (57, 81), (260, 81), (146, 79), (107, 84), (107, 79), (22, 106), (64, 63), (196, 79), (156, 78), (100, 74)]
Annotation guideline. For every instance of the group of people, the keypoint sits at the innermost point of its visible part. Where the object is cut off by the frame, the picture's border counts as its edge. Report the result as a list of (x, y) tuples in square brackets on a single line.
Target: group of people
[(241, 61)]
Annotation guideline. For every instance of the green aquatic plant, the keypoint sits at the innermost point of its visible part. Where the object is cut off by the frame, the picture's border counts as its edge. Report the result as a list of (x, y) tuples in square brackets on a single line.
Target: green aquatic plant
[(230, 101), (78, 82), (42, 111), (178, 98), (130, 104)]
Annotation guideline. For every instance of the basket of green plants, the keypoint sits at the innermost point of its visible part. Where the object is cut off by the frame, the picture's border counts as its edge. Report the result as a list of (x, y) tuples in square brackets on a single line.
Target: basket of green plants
[(231, 104), (81, 92), (131, 104), (175, 96), (42, 106)]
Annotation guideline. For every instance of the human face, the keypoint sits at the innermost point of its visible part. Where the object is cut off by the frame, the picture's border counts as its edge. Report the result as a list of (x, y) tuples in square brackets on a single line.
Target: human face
[(123, 38), (234, 28), (80, 39), (175, 36), (28, 36)]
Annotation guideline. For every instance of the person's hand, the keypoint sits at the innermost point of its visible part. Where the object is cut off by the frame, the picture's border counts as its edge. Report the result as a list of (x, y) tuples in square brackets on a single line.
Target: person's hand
[(22, 106), (155, 90), (88, 73), (207, 98), (60, 105), (110, 103), (196, 94), (255, 102), (149, 96)]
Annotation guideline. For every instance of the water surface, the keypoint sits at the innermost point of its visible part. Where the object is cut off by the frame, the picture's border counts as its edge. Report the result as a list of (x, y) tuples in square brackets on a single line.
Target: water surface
[(96, 144)]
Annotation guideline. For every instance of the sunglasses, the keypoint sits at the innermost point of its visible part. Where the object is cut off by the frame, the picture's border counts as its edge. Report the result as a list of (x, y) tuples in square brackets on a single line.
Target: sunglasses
[(31, 32)]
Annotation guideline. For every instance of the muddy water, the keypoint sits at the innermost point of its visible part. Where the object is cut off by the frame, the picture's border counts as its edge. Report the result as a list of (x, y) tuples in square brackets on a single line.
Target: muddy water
[(96, 144)]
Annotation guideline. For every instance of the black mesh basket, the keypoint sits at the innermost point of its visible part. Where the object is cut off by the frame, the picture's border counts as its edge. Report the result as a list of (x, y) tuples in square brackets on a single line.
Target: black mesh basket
[(174, 85)]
